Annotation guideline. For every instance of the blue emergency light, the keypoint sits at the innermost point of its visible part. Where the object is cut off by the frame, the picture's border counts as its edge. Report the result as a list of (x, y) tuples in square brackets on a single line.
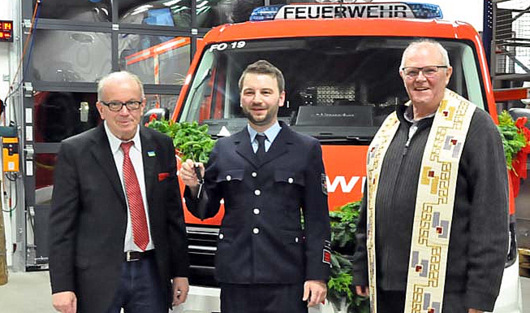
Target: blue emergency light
[(265, 13), (347, 10), (426, 10)]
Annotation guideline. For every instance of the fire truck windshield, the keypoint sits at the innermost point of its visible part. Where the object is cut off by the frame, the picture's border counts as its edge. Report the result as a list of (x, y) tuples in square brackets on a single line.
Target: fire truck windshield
[(337, 88)]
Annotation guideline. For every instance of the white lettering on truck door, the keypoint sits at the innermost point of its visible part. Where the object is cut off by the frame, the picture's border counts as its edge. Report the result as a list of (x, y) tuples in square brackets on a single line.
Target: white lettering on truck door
[(341, 180)]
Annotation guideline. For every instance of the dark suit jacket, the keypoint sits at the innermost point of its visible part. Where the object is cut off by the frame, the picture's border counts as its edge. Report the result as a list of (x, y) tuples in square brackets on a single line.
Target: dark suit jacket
[(88, 218), (262, 239)]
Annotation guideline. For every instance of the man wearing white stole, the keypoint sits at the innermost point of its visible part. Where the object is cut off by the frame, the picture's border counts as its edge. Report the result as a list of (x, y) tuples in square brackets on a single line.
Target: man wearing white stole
[(433, 233)]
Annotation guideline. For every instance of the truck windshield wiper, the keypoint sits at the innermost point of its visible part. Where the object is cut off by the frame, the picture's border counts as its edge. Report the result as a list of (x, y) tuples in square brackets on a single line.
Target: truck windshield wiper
[(360, 139), (331, 137)]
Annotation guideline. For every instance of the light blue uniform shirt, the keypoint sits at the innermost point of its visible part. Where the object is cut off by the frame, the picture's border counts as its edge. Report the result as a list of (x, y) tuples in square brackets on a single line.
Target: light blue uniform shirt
[(270, 135)]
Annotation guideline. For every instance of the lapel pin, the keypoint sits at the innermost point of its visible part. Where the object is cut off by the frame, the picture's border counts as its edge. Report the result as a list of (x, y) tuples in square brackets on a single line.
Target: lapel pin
[(151, 153)]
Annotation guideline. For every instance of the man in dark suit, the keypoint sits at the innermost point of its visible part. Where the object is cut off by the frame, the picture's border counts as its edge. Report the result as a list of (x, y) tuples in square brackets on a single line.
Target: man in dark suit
[(270, 177), (117, 234)]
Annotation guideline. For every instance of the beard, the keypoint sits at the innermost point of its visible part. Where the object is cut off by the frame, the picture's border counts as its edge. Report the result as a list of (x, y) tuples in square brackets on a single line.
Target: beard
[(271, 115)]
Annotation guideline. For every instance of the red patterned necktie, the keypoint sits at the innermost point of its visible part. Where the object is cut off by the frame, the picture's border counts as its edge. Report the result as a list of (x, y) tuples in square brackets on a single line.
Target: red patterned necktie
[(134, 197)]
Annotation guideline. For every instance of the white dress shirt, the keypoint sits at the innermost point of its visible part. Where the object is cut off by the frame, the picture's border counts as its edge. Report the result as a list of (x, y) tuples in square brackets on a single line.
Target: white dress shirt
[(135, 155)]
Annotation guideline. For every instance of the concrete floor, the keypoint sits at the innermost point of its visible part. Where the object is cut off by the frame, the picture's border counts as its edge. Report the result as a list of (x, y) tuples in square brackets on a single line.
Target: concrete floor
[(30, 293)]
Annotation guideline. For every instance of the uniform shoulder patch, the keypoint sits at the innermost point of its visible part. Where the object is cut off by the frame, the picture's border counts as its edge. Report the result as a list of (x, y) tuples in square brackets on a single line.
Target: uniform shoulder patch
[(326, 256), (326, 253), (324, 183)]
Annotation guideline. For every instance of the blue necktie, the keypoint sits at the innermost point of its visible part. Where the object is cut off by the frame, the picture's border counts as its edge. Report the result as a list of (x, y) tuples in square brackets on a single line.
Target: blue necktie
[(260, 153)]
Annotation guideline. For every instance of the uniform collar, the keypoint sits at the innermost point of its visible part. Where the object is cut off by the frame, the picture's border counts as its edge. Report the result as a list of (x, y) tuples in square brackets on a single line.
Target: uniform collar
[(270, 133)]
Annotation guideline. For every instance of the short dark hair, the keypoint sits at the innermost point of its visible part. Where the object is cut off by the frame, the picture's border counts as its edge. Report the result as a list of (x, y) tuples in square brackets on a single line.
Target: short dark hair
[(264, 67)]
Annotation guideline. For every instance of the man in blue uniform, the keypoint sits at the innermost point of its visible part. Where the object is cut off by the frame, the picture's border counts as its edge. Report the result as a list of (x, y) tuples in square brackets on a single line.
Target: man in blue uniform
[(270, 177)]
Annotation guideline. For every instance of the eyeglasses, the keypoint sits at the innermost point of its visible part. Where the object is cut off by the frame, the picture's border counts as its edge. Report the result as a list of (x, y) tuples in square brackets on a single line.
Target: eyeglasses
[(427, 71), (116, 106)]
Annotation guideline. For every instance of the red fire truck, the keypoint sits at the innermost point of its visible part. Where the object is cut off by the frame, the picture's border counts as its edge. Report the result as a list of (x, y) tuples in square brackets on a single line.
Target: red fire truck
[(340, 63)]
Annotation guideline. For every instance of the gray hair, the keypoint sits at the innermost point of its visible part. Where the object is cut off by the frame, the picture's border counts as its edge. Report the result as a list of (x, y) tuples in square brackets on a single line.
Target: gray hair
[(424, 41), (122, 74)]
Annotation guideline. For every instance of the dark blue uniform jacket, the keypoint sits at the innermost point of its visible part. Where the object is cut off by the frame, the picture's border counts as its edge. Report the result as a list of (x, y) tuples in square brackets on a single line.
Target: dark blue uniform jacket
[(262, 237)]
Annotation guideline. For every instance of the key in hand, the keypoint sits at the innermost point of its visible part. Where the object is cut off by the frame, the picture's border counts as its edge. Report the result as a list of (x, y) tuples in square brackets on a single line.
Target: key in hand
[(199, 178)]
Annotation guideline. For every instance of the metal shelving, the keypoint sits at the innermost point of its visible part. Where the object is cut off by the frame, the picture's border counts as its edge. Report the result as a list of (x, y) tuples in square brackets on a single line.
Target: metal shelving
[(510, 62)]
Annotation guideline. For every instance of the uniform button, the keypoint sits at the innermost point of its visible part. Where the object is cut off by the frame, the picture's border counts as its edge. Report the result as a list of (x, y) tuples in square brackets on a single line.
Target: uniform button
[(257, 192), (228, 177), (221, 236), (256, 211), (254, 174), (290, 180), (255, 230)]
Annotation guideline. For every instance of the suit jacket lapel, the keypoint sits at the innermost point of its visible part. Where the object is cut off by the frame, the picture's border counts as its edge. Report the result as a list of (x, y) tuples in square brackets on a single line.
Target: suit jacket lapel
[(150, 175), (102, 153)]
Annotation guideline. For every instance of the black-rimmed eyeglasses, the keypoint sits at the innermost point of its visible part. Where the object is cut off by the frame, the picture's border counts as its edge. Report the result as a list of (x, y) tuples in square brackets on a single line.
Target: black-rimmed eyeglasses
[(116, 106), (427, 71)]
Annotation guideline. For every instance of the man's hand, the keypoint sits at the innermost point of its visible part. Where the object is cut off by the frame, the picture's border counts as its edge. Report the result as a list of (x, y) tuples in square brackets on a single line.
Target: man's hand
[(181, 287), (65, 302), (314, 292), (362, 291), (188, 176), (475, 311)]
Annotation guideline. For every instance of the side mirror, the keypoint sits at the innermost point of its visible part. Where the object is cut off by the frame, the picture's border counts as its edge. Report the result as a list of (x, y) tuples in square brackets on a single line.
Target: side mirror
[(158, 112), (520, 112)]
